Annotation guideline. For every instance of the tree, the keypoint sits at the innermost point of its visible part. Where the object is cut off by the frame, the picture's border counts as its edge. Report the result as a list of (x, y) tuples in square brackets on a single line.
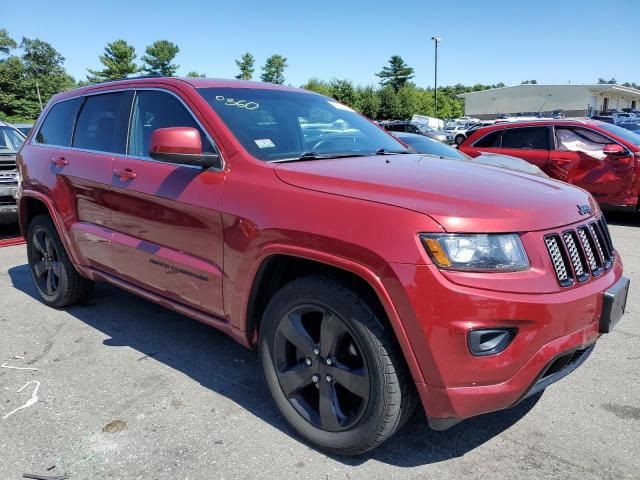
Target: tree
[(529, 82), (397, 74), (343, 91), (602, 81), (273, 69), (389, 103), (245, 64), (158, 58), (367, 101), (194, 74), (118, 59), (318, 86), (6, 42)]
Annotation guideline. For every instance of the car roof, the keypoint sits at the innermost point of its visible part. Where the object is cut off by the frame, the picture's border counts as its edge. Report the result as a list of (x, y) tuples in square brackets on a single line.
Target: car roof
[(176, 82)]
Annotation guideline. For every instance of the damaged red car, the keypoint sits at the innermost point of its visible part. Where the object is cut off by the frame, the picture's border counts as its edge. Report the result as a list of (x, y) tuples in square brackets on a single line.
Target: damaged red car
[(603, 159)]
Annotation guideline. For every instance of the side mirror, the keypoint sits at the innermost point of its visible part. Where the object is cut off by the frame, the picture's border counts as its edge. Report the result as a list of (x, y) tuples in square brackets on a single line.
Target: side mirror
[(180, 145), (614, 149)]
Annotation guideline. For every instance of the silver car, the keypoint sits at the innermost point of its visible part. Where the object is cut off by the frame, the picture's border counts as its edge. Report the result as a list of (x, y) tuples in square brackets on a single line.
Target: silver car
[(11, 140)]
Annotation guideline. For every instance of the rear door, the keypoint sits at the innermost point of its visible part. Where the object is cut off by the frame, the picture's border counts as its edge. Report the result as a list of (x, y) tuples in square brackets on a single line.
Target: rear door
[(529, 143), (79, 150), (166, 217), (578, 158)]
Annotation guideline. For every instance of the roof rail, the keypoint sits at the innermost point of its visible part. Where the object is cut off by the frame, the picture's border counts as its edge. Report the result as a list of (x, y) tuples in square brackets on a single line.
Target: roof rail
[(126, 78)]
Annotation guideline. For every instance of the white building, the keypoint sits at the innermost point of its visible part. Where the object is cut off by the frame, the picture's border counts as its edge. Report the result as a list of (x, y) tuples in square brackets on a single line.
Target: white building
[(574, 100)]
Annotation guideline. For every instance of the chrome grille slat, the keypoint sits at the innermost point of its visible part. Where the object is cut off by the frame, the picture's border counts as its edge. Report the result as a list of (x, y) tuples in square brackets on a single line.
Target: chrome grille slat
[(588, 247), (575, 256), (580, 253)]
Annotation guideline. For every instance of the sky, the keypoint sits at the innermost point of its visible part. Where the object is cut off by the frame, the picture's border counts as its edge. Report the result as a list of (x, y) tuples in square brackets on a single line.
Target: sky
[(486, 41)]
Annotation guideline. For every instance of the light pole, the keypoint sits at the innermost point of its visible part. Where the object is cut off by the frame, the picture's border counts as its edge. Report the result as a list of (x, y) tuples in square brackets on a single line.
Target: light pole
[(436, 41)]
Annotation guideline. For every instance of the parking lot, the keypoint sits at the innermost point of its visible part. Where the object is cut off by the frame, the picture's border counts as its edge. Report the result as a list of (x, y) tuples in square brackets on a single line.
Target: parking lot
[(122, 388)]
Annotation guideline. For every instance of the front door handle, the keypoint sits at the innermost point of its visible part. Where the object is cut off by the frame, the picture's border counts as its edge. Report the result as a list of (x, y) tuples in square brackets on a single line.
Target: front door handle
[(124, 174), (59, 161)]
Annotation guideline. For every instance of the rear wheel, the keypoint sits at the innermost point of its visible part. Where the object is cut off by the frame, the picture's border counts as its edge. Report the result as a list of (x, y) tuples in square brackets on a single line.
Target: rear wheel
[(332, 367), (55, 278), (459, 139)]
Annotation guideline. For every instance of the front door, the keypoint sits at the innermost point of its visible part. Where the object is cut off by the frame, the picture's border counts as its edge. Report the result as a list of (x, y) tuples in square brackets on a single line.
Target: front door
[(579, 159), (166, 217)]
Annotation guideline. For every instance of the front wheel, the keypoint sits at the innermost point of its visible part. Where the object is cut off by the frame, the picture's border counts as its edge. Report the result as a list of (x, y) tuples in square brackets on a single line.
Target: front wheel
[(459, 139), (332, 367)]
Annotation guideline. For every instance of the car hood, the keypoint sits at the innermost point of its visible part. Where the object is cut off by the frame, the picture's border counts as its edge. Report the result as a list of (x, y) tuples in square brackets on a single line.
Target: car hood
[(461, 196)]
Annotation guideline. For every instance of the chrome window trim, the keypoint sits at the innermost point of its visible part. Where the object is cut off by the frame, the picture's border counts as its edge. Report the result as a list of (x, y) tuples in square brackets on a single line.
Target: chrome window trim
[(149, 159)]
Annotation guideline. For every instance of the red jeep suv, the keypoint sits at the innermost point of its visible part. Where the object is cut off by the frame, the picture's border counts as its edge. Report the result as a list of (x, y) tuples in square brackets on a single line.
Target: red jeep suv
[(366, 276), (603, 159)]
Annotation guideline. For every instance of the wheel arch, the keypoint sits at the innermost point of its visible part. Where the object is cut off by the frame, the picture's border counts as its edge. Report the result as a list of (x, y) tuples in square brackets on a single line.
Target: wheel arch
[(278, 265), (33, 203)]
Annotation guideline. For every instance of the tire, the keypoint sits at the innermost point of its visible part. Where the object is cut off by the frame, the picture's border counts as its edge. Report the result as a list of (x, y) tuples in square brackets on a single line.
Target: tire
[(56, 280), (459, 139), (315, 320)]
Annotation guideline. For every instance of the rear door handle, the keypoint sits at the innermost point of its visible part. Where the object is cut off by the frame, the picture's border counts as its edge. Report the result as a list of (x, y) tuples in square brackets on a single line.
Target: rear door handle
[(59, 161), (124, 174)]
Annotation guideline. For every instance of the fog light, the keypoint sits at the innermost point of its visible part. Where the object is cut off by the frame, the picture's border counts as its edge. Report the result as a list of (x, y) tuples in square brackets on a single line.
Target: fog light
[(489, 341)]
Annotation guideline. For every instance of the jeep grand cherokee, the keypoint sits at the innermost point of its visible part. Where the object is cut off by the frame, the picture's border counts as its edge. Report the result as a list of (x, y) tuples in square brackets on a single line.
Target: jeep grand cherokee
[(366, 277)]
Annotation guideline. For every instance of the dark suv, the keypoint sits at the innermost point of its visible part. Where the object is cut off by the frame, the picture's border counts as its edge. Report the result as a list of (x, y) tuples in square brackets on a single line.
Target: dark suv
[(11, 140), (368, 277)]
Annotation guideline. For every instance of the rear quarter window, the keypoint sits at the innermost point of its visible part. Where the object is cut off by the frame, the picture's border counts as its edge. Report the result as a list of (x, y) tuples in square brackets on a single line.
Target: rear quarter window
[(57, 127), (528, 138), (492, 140)]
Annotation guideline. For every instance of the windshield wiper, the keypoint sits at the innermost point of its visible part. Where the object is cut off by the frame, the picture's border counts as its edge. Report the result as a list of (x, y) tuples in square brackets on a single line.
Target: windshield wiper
[(384, 151), (319, 156)]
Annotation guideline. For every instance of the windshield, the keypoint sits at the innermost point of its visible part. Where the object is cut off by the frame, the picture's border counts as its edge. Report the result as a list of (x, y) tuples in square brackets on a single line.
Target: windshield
[(623, 133), (277, 125), (10, 140), (429, 146)]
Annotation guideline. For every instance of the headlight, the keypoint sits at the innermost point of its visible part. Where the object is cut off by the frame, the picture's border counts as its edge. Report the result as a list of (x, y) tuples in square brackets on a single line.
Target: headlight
[(477, 252)]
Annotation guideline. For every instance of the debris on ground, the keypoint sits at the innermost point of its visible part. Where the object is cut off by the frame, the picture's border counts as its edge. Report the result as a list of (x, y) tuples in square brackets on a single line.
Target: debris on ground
[(32, 401), (115, 426)]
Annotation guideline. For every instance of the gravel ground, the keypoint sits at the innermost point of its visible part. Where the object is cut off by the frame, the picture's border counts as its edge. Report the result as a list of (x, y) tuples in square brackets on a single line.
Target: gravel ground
[(128, 390)]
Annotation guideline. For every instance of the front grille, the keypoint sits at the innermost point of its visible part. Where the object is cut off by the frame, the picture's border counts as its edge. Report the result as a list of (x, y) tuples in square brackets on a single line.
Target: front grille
[(7, 200), (582, 253)]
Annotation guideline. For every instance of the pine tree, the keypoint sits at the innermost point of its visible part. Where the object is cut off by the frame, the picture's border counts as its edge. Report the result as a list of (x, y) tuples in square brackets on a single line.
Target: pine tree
[(273, 70), (118, 59), (158, 58), (397, 74), (245, 64)]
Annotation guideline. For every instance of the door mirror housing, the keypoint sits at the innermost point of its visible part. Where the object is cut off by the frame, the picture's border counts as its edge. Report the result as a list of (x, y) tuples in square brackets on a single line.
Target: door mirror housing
[(181, 145), (614, 149)]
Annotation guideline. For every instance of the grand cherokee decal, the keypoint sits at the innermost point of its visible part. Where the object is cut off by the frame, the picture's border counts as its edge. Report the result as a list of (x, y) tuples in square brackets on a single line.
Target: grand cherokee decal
[(173, 268)]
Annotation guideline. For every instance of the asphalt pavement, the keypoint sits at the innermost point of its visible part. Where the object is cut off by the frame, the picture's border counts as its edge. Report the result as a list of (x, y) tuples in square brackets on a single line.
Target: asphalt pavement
[(120, 388)]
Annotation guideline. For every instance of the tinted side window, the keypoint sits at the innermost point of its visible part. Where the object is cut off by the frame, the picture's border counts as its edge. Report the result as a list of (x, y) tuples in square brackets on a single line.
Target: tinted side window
[(152, 110), (530, 138), (489, 141), (58, 125), (99, 126)]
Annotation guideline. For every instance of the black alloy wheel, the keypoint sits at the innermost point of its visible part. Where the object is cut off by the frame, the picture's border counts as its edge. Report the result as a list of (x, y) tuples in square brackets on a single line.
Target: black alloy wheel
[(46, 267), (320, 368), (333, 366)]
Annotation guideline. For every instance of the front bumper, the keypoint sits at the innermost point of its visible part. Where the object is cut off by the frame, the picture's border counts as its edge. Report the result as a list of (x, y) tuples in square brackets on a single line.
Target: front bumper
[(438, 314), (8, 204)]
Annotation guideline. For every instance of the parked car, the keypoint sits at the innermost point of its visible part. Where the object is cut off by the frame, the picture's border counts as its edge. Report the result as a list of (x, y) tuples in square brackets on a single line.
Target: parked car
[(428, 146), (416, 128), (603, 159), (364, 275), (11, 140), (24, 128), (633, 126), (458, 132), (604, 118)]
